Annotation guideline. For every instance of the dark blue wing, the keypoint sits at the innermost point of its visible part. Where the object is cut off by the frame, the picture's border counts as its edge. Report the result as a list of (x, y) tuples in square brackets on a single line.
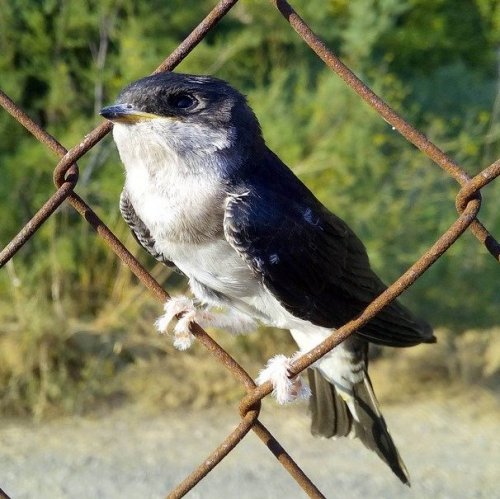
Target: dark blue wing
[(310, 260)]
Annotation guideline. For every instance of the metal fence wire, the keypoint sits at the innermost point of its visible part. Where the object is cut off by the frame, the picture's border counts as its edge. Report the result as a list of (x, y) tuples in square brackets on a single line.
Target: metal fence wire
[(468, 203)]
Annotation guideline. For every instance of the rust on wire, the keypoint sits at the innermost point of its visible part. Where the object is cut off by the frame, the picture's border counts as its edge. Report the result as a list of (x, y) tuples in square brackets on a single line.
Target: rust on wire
[(286, 461), (472, 187), (468, 203), (470, 190), (35, 223), (197, 35), (34, 128), (56, 199), (230, 442)]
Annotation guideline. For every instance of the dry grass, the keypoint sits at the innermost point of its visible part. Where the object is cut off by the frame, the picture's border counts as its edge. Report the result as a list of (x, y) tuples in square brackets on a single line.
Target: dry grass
[(452, 366)]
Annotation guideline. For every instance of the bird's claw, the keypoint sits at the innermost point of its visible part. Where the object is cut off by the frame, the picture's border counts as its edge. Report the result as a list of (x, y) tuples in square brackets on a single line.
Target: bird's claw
[(184, 307), (183, 338), (285, 389), (173, 307)]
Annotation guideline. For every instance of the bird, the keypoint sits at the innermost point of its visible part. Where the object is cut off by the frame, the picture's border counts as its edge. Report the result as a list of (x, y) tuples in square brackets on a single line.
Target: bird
[(203, 193)]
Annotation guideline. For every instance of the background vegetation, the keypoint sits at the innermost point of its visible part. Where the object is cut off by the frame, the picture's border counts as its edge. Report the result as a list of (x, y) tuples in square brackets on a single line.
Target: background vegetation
[(76, 328)]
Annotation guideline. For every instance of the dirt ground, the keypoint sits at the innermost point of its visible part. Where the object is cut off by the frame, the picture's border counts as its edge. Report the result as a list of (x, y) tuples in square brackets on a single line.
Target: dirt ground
[(451, 447)]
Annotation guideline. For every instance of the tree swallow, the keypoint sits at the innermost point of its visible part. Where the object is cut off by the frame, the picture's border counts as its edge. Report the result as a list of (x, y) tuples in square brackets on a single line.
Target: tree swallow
[(205, 194)]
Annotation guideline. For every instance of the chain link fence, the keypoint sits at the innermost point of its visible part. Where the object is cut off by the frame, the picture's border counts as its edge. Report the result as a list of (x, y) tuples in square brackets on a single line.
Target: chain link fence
[(468, 204)]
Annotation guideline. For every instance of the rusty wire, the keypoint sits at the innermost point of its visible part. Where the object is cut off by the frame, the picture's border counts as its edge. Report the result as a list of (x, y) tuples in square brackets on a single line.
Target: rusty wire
[(468, 204)]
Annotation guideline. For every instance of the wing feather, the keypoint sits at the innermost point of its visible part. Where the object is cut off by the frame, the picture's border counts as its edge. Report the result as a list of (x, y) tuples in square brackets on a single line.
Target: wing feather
[(314, 264)]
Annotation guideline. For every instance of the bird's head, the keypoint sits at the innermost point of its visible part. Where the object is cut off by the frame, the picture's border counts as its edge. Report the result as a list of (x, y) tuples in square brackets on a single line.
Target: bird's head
[(187, 114)]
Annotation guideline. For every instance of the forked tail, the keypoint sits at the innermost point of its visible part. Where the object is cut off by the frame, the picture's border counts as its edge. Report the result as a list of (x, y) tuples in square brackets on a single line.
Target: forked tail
[(337, 413)]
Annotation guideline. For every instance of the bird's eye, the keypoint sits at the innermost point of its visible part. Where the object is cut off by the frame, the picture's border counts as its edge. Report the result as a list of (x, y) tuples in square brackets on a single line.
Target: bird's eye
[(182, 101)]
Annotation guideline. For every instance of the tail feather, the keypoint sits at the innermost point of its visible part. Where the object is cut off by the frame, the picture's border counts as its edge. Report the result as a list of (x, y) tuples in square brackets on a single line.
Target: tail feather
[(355, 414), (330, 415)]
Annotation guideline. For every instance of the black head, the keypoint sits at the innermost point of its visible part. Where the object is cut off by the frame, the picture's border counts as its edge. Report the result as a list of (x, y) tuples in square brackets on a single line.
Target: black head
[(200, 100)]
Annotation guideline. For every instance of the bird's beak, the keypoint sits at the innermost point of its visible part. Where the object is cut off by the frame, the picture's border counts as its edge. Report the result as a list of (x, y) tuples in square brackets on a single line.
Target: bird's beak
[(125, 113)]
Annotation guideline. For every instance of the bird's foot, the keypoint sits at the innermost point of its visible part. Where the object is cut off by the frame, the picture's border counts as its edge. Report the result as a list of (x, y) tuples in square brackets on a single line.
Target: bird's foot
[(184, 306), (285, 389), (233, 321)]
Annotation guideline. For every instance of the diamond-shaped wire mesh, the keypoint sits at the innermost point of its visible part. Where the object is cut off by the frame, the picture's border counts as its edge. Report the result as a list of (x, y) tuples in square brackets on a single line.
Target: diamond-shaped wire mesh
[(468, 203)]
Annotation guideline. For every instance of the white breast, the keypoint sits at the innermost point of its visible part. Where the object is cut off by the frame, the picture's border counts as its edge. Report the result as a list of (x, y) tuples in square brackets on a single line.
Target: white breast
[(175, 199), (172, 208)]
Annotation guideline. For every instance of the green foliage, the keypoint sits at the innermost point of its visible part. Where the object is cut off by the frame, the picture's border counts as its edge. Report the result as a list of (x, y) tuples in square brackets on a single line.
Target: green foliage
[(65, 293)]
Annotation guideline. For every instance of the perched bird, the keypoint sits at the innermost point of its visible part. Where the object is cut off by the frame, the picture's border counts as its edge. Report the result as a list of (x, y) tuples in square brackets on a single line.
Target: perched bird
[(205, 194)]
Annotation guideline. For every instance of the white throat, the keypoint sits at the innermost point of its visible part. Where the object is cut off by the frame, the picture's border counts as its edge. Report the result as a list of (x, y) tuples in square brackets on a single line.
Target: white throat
[(175, 187)]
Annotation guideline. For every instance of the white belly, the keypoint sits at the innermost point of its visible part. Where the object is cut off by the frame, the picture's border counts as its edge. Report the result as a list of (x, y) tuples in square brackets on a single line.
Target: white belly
[(215, 265)]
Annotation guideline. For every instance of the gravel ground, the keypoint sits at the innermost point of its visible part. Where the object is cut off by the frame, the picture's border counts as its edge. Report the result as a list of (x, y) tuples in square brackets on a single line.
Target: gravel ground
[(451, 448)]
